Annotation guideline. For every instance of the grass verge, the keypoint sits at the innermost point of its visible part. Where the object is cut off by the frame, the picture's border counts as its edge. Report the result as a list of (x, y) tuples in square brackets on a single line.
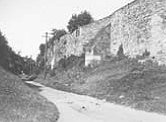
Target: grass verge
[(19, 103), (126, 82)]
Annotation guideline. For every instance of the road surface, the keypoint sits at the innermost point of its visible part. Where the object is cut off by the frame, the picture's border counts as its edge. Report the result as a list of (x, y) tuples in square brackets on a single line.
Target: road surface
[(80, 108)]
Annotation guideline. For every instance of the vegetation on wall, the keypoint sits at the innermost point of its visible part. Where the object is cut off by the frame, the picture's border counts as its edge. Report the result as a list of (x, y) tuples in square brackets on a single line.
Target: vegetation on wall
[(81, 19), (71, 61), (146, 54), (120, 52), (58, 33), (75, 21)]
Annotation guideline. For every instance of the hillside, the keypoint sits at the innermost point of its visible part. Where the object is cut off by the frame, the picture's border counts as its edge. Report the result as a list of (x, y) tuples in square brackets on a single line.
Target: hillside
[(126, 82), (19, 103)]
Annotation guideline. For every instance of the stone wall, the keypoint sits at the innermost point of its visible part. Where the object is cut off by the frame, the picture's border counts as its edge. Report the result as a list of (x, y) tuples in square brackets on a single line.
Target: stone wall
[(72, 45), (55, 52), (102, 42), (139, 26)]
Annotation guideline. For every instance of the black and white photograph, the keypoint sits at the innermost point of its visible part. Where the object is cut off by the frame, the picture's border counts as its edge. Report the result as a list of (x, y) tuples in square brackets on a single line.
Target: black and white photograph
[(82, 61)]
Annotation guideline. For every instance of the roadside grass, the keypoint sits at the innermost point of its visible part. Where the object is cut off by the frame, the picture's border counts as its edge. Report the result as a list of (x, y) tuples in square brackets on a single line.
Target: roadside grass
[(125, 81), (19, 103)]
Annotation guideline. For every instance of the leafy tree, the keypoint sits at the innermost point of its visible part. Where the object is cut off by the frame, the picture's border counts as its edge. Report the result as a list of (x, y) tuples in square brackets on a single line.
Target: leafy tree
[(81, 19), (42, 49), (29, 65), (4, 51), (40, 60), (57, 34), (10, 60)]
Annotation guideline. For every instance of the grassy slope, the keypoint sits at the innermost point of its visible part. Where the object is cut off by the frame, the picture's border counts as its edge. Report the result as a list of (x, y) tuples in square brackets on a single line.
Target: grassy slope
[(18, 103), (127, 82)]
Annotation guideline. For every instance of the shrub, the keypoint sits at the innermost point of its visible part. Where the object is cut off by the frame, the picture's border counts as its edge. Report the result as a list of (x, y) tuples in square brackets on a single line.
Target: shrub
[(146, 54), (68, 63), (120, 52)]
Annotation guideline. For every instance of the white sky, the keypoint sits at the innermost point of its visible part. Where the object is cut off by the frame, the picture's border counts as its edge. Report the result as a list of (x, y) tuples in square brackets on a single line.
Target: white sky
[(25, 21)]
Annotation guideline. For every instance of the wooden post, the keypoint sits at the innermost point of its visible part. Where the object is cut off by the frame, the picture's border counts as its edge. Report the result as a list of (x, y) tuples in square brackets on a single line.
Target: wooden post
[(45, 55)]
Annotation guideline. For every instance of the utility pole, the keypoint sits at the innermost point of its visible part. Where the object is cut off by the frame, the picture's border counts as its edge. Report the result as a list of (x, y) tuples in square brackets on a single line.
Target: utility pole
[(31, 67), (46, 46), (45, 55)]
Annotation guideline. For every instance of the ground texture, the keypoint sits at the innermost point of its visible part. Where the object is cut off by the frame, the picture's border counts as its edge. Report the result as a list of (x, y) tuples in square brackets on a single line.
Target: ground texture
[(125, 81), (19, 103), (82, 108)]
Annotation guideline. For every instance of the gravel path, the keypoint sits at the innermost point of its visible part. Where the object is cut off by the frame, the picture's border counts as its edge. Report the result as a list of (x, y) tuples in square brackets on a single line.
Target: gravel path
[(79, 108)]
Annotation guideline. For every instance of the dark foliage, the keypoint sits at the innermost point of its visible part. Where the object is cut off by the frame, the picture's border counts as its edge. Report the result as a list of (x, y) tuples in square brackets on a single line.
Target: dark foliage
[(81, 19), (42, 49), (4, 52), (57, 34), (146, 54), (71, 62), (40, 59), (12, 61), (120, 52)]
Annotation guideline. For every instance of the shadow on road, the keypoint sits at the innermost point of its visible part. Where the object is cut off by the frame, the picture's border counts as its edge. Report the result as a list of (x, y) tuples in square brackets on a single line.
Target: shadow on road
[(34, 87)]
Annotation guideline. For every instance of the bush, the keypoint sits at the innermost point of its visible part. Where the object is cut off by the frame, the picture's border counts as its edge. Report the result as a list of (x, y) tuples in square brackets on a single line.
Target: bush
[(68, 63), (120, 52), (52, 72), (146, 54)]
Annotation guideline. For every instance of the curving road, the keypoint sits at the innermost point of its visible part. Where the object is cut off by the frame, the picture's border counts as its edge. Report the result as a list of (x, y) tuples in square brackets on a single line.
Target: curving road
[(79, 108)]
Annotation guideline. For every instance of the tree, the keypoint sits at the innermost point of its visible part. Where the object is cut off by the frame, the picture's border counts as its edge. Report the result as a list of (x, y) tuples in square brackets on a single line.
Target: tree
[(57, 34), (81, 19), (42, 49), (4, 51), (9, 59), (40, 58)]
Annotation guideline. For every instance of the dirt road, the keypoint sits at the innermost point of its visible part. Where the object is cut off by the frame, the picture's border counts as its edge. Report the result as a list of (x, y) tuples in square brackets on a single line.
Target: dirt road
[(79, 108)]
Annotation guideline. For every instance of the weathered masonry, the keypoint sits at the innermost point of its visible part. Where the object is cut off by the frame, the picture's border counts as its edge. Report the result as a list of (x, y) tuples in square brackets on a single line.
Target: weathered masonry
[(138, 26)]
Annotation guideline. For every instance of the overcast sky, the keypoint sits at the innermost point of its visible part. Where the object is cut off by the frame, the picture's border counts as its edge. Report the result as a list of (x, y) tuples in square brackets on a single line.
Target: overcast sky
[(25, 21)]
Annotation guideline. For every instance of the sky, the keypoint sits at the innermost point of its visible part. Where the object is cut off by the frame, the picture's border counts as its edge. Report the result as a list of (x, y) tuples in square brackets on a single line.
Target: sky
[(24, 22)]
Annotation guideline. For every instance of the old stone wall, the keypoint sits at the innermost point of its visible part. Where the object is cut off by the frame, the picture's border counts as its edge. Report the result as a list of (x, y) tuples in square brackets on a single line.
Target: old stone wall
[(102, 42), (139, 26), (55, 52), (72, 45)]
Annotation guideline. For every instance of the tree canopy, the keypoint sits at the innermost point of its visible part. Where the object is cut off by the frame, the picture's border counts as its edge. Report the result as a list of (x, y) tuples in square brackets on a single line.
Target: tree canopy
[(4, 51), (58, 33), (42, 49), (11, 60), (81, 19)]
